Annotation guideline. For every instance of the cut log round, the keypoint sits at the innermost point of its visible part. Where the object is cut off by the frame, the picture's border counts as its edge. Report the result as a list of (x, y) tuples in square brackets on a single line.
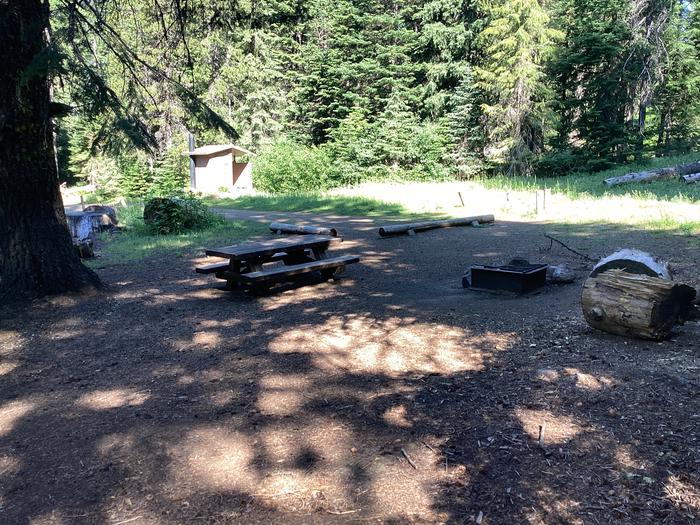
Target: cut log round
[(635, 305), (281, 227), (634, 261), (407, 228), (672, 172)]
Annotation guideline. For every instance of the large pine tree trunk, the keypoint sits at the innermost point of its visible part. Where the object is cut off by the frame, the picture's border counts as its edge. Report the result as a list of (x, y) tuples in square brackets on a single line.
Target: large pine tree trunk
[(36, 251)]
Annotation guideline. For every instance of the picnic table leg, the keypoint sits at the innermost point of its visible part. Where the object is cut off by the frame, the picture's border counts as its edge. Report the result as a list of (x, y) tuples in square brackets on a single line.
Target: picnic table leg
[(334, 273), (235, 267), (255, 265)]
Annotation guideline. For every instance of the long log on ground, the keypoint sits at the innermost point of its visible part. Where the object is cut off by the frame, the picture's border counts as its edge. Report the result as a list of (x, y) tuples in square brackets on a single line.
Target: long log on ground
[(398, 229), (672, 172), (693, 177), (635, 305), (281, 227)]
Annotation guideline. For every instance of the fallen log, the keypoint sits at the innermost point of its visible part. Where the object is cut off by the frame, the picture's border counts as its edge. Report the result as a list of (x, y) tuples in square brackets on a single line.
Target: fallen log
[(672, 172), (413, 227), (693, 177), (635, 305), (281, 227)]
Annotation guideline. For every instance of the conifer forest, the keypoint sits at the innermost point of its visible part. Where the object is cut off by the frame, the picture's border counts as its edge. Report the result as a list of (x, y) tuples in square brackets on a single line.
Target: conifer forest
[(338, 92)]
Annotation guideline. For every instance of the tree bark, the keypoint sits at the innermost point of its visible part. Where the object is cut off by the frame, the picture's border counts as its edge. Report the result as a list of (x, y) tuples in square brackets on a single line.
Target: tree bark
[(36, 252), (635, 305)]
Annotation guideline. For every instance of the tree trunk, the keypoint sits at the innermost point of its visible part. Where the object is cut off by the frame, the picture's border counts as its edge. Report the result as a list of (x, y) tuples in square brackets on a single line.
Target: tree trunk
[(36, 251)]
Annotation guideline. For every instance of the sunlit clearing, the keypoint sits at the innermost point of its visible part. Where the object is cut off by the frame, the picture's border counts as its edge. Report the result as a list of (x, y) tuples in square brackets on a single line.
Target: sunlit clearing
[(396, 416), (391, 346), (109, 399), (213, 458), (557, 508), (586, 381), (683, 494), (10, 342), (548, 375), (627, 459), (281, 395), (9, 465), (12, 412), (7, 367), (558, 429)]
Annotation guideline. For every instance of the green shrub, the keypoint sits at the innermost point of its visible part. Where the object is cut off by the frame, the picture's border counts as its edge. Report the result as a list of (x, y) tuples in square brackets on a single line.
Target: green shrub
[(288, 167), (177, 214)]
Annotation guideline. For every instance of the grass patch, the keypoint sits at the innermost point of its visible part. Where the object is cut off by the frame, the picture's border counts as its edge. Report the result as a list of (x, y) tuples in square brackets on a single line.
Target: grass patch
[(136, 241), (316, 203), (585, 184)]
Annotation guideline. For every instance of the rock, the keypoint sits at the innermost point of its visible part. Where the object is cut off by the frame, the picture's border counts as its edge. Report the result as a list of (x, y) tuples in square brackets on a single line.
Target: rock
[(560, 274)]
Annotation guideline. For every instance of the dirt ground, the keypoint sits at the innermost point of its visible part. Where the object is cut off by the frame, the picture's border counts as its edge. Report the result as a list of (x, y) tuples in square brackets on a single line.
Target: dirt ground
[(391, 396)]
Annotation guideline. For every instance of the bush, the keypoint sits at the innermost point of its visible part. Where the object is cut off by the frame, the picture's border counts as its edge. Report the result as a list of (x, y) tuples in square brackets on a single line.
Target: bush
[(288, 167), (165, 215)]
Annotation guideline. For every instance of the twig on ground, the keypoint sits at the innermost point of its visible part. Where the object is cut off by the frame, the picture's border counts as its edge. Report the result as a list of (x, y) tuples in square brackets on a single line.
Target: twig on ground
[(540, 440), (408, 458), (553, 240), (128, 521), (342, 512), (432, 449)]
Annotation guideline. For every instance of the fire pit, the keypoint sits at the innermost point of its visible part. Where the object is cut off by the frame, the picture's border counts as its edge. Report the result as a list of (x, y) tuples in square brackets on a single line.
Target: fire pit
[(510, 278)]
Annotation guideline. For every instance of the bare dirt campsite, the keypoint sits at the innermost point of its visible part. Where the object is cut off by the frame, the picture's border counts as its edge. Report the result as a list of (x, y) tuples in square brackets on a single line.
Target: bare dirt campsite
[(390, 396)]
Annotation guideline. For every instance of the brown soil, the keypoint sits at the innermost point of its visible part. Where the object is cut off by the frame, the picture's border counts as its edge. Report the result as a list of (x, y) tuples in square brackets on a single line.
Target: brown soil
[(392, 396)]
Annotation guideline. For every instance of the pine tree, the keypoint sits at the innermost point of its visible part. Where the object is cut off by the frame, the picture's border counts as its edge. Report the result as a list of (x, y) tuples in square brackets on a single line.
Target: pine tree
[(516, 43), (465, 132), (592, 81), (678, 98)]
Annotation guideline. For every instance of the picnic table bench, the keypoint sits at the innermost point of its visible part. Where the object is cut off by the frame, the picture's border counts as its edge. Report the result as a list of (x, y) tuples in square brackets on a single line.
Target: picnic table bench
[(245, 264)]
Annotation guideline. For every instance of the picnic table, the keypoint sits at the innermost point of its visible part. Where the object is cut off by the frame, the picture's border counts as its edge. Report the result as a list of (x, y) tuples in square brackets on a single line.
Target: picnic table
[(247, 265)]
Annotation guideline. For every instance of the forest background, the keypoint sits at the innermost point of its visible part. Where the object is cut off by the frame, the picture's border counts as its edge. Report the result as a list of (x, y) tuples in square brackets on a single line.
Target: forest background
[(333, 93)]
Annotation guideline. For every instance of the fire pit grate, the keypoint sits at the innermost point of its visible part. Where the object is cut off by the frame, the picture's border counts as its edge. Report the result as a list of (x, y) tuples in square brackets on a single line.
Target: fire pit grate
[(516, 279)]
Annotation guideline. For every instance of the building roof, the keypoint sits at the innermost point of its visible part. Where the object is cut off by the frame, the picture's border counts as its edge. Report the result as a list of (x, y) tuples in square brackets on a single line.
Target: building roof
[(218, 148)]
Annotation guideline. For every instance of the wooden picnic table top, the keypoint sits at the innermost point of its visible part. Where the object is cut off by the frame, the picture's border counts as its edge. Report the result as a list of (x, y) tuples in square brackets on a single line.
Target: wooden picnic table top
[(271, 246)]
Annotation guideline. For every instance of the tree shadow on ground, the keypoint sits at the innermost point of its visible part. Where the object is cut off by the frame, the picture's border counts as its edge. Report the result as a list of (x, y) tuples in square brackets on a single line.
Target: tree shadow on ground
[(392, 396)]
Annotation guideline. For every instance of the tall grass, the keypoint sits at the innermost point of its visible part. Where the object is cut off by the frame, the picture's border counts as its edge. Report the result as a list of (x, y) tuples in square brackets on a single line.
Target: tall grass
[(584, 184), (137, 241), (314, 203)]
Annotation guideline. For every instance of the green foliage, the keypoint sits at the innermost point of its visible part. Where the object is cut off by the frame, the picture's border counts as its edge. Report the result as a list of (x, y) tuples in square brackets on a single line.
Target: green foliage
[(338, 92), (289, 167), (168, 215), (516, 43), (137, 241), (170, 173)]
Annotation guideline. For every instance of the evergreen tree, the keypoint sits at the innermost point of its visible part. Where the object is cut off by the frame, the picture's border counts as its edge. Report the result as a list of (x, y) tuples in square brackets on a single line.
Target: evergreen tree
[(678, 98), (465, 131), (592, 81), (516, 43)]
